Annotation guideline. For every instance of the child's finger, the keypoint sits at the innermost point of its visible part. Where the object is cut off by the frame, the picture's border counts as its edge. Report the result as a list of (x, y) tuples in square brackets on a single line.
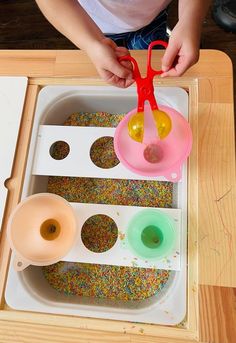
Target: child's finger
[(122, 51), (178, 70), (183, 63), (118, 69), (169, 56), (122, 72), (110, 43), (127, 65), (123, 83), (117, 81)]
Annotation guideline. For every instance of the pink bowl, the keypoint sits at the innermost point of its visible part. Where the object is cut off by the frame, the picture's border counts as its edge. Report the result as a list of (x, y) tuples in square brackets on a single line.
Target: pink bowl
[(172, 150)]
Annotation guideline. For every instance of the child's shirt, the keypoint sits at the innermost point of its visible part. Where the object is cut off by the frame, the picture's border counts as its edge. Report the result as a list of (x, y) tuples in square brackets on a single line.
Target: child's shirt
[(117, 16)]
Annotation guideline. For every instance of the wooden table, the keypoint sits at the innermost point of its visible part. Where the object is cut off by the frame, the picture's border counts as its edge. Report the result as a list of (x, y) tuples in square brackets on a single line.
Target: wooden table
[(211, 204)]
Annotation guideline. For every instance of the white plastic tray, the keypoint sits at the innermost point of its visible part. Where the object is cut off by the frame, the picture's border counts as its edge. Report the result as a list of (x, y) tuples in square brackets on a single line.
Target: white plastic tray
[(54, 105)]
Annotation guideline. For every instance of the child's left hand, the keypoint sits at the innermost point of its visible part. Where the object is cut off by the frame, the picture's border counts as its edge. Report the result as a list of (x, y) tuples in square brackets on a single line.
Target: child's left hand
[(182, 51)]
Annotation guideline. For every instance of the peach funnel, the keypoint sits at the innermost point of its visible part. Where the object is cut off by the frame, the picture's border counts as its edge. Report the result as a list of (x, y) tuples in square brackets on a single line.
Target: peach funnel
[(155, 156), (41, 230)]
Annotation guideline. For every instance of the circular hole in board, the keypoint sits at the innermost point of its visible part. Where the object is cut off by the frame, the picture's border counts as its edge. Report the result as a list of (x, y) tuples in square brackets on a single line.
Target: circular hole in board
[(102, 153), (59, 150), (99, 233)]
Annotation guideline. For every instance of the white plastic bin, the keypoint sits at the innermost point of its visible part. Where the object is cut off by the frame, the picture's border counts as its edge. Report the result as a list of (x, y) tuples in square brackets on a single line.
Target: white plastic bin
[(28, 290)]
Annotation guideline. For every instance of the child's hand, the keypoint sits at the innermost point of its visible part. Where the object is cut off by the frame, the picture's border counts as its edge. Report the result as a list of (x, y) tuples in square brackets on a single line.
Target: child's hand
[(104, 54), (182, 51)]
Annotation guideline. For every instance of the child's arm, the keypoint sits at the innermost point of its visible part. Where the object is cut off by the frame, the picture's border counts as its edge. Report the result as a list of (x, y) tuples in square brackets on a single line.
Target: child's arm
[(183, 49), (68, 17)]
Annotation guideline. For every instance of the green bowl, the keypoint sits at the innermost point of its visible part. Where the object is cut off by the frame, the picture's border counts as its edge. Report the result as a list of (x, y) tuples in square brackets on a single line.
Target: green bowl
[(151, 234)]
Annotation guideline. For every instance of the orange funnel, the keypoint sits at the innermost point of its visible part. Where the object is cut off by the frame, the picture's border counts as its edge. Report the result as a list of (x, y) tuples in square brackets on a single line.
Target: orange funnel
[(41, 230)]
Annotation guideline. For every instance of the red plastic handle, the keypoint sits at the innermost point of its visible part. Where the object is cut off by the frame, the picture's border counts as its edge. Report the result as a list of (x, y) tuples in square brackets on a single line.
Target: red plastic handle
[(150, 71), (136, 72), (145, 87)]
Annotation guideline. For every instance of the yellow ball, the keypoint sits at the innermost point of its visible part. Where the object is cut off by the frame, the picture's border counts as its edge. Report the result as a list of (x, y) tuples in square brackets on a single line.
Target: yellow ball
[(163, 123)]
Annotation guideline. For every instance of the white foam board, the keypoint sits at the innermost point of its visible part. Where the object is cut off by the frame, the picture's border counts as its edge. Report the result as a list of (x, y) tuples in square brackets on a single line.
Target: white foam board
[(12, 96)]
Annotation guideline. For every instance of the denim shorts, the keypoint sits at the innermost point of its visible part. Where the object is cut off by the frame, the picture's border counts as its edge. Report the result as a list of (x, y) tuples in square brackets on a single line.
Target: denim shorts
[(143, 37)]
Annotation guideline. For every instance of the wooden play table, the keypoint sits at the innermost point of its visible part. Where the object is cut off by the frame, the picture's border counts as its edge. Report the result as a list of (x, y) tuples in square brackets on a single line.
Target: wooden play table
[(211, 313)]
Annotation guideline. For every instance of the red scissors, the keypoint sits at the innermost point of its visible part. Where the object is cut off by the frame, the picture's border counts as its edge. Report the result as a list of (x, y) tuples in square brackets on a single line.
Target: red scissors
[(145, 92)]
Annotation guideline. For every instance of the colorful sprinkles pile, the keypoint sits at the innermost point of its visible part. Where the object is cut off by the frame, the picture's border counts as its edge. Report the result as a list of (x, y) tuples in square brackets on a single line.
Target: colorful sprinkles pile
[(114, 192), (103, 154), (104, 281), (99, 233)]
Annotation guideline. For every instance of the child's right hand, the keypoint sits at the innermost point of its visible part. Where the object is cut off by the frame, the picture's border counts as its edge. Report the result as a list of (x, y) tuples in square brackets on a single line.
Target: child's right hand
[(104, 55)]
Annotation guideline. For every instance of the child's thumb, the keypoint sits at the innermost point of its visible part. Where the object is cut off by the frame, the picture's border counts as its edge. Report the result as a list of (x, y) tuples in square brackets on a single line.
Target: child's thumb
[(122, 71), (169, 57), (122, 51)]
